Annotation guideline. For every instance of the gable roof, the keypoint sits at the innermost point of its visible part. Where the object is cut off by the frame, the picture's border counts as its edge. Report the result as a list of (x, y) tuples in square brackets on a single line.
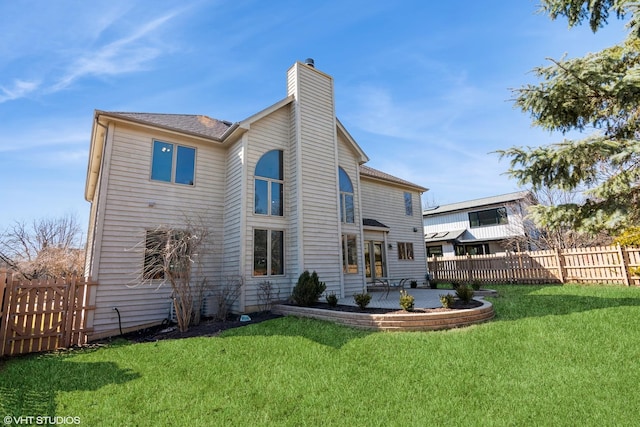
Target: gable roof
[(368, 172), (476, 203), (198, 125)]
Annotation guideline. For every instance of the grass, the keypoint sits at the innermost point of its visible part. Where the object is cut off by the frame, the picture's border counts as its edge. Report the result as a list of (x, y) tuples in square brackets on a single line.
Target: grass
[(554, 355)]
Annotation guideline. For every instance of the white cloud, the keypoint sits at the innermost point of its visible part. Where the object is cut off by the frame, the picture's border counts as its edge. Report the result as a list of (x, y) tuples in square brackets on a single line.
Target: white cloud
[(125, 55), (19, 89)]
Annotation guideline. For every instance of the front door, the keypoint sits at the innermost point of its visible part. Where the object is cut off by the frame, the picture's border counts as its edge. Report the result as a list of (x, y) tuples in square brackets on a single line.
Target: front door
[(374, 260)]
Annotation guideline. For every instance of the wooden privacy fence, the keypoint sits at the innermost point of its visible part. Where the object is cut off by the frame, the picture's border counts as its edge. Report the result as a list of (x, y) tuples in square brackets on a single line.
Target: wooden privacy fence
[(41, 315), (603, 264)]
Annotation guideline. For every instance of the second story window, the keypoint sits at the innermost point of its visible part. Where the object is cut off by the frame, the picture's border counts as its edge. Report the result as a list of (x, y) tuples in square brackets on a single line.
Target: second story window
[(408, 204), (269, 184), (173, 163), (497, 216), (346, 197)]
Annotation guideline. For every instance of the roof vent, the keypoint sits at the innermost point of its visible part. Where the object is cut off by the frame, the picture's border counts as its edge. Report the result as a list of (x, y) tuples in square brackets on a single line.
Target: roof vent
[(309, 62)]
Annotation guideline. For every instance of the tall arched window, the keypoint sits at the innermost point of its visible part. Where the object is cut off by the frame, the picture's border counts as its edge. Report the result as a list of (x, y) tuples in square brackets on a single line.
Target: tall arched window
[(269, 184), (346, 197)]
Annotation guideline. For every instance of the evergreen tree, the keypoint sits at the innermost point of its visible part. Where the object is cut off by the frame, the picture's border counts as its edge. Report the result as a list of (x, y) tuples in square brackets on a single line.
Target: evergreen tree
[(598, 95)]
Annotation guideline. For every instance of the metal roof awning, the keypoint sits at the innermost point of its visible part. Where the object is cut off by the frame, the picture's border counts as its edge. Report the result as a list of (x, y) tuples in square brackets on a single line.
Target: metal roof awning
[(373, 224), (443, 236)]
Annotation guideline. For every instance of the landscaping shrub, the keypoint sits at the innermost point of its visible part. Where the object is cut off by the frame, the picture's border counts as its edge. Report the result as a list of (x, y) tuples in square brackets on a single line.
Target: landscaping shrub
[(476, 285), (455, 284), (406, 301), (447, 300), (433, 284), (464, 293), (362, 300), (308, 289), (332, 300)]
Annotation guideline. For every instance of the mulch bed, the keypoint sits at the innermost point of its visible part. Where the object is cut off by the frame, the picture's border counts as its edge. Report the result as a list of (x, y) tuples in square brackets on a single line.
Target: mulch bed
[(211, 327), (458, 305)]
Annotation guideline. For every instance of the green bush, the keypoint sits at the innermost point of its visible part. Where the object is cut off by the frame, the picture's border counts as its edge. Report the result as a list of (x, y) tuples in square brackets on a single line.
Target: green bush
[(406, 301), (362, 300), (308, 289), (332, 300), (476, 285), (455, 284), (433, 283), (447, 300), (464, 293)]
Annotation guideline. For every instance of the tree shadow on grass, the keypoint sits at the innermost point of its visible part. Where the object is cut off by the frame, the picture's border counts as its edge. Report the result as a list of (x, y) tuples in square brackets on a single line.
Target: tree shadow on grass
[(320, 331), (531, 305), (29, 386)]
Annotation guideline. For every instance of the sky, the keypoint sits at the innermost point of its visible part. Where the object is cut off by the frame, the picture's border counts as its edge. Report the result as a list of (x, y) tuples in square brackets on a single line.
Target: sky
[(424, 87)]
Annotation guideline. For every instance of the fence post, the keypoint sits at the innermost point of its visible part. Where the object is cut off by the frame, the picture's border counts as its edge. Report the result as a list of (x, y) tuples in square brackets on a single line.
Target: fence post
[(624, 264), (469, 268), (560, 263), (7, 286)]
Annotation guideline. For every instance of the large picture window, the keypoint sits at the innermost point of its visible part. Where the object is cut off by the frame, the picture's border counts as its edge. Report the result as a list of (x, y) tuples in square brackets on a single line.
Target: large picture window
[(268, 252), (349, 254), (405, 250), (173, 163), (347, 214), (269, 184), (497, 216)]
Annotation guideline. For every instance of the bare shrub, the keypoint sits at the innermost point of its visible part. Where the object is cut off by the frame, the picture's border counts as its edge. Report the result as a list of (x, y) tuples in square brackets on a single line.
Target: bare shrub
[(267, 294), (44, 248), (174, 254), (225, 294)]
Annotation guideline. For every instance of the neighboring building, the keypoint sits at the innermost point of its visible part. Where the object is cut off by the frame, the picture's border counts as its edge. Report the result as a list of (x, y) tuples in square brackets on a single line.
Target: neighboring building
[(283, 191), (480, 226)]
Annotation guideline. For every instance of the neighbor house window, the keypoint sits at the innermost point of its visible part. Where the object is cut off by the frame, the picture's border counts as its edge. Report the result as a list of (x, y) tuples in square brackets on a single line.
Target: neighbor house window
[(346, 197), (405, 250), (497, 216), (173, 163), (408, 204), (349, 254), (434, 251), (269, 184), (268, 252)]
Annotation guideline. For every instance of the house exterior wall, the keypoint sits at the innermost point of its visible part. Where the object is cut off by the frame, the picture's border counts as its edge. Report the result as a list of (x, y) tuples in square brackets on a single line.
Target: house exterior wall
[(127, 215), (385, 203), (126, 203), (269, 133)]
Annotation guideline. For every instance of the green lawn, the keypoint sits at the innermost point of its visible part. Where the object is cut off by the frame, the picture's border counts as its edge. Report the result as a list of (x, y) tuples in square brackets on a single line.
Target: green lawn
[(553, 356)]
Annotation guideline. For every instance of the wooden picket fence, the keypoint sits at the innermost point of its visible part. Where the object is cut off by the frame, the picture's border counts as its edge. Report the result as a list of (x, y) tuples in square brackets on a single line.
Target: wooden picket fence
[(597, 265), (42, 315)]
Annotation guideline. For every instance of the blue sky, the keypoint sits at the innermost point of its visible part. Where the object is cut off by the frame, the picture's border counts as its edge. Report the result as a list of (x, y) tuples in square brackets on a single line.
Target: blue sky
[(422, 86)]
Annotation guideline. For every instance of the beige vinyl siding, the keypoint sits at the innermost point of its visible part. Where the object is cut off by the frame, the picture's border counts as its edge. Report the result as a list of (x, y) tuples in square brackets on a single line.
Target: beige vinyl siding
[(233, 223), (316, 143), (347, 160), (266, 134), (128, 215), (385, 203)]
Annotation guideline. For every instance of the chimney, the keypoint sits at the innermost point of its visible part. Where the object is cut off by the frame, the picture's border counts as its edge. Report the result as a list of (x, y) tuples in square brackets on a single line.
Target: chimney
[(309, 62)]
